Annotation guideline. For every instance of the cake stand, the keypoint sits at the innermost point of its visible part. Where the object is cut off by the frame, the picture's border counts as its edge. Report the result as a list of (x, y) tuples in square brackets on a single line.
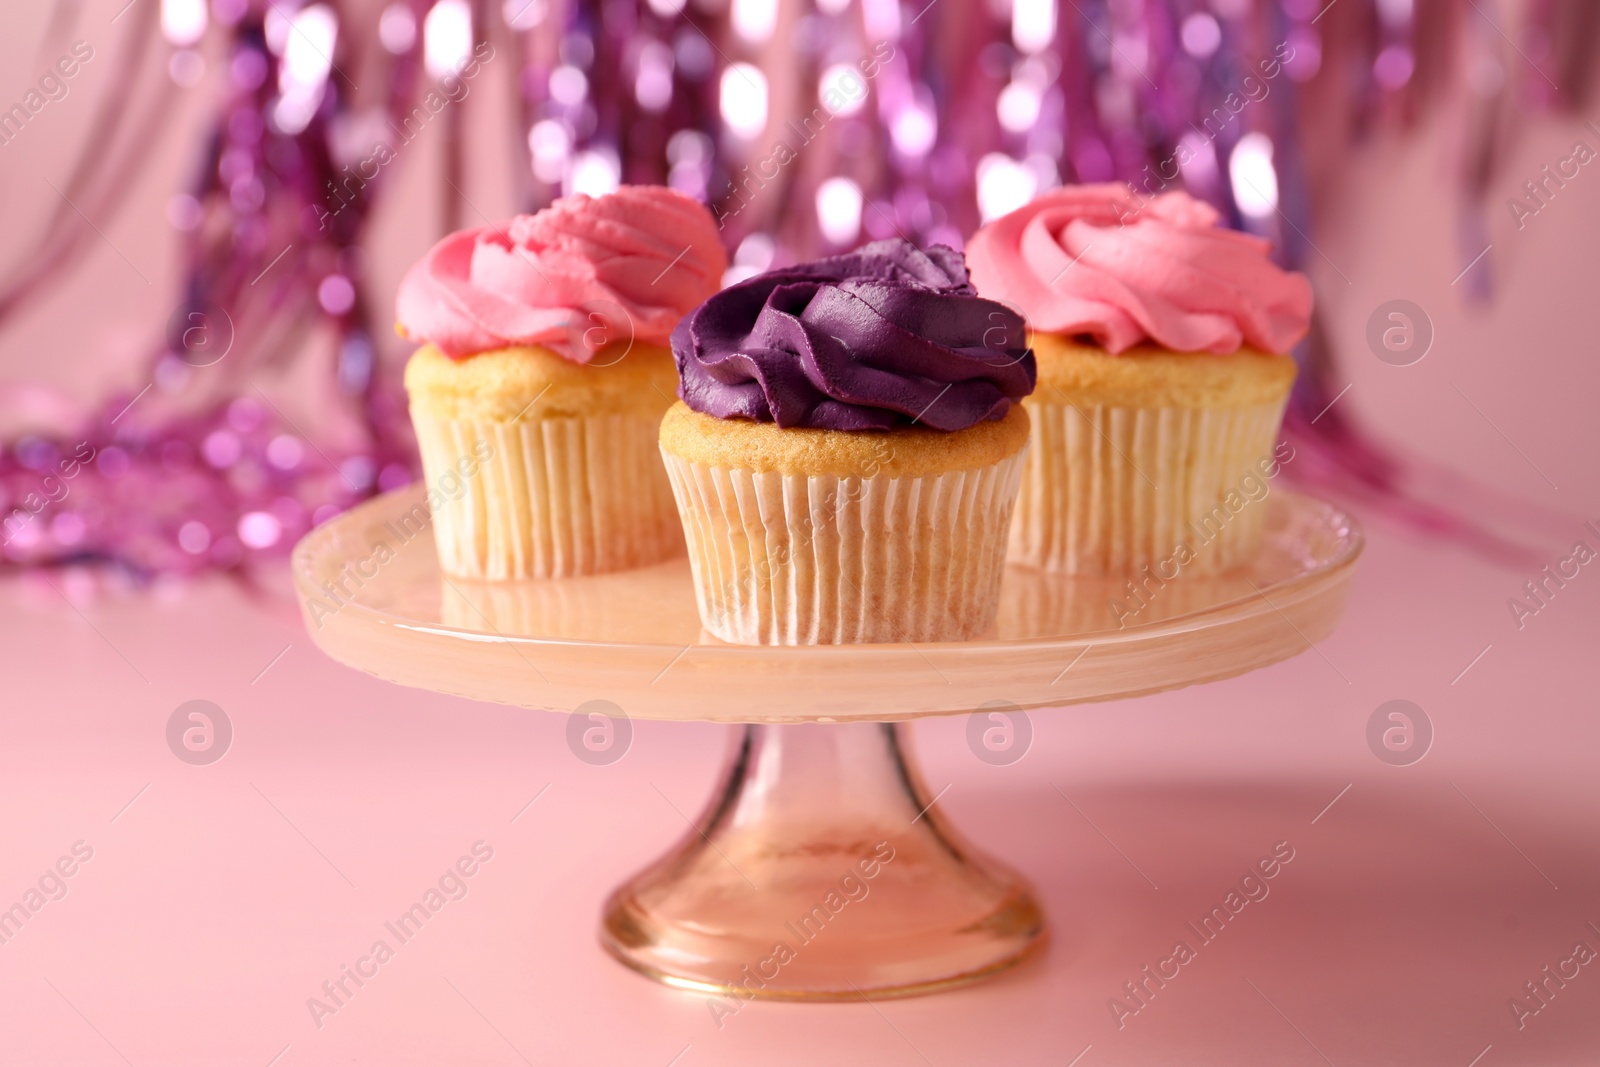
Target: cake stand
[(821, 868)]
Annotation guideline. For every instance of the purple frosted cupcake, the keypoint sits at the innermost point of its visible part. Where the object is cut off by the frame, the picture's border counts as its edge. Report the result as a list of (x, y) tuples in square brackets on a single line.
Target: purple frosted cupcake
[(847, 449)]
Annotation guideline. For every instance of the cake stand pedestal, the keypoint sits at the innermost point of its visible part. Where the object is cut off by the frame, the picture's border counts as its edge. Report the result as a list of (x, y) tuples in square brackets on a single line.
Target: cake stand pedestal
[(822, 868)]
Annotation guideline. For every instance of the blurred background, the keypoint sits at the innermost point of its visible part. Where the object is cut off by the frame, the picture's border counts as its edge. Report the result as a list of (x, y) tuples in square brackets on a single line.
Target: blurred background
[(207, 206), (207, 217)]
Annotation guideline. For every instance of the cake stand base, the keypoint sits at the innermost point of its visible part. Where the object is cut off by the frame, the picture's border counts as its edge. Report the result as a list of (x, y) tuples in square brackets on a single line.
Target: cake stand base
[(821, 870)]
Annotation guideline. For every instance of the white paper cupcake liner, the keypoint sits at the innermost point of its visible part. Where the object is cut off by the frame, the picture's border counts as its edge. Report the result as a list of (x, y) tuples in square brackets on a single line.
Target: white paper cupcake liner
[(795, 559), (1109, 490), (557, 497)]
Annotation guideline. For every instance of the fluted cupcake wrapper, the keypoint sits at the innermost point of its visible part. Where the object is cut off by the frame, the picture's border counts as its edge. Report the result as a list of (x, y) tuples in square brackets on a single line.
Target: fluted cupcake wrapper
[(817, 559), (1109, 490), (556, 497)]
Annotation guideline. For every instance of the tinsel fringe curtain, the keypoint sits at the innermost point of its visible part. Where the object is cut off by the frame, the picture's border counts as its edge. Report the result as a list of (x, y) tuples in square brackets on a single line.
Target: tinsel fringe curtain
[(808, 126)]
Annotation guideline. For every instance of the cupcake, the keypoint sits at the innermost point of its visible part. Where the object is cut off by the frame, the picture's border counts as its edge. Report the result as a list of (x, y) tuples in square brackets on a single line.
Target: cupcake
[(847, 449), (1161, 342), (542, 377)]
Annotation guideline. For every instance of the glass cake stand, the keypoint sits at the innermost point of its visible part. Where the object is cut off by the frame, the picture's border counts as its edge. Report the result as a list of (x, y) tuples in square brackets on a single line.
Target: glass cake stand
[(821, 868)]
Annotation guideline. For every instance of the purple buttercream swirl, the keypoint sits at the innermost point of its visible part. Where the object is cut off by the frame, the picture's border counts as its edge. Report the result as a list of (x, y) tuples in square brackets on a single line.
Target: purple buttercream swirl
[(882, 337)]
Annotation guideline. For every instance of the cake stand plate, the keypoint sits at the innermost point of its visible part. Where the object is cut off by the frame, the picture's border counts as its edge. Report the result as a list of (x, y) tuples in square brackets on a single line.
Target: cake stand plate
[(821, 867)]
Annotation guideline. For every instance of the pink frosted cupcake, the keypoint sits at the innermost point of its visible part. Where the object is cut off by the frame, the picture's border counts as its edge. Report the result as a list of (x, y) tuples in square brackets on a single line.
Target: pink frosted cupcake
[(543, 376), (1161, 343)]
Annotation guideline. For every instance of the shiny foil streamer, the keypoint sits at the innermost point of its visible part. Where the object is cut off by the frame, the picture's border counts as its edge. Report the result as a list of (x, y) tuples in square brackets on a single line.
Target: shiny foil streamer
[(810, 126)]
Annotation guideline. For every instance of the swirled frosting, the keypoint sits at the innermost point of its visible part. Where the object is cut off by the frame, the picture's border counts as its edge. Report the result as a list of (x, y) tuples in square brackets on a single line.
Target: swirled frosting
[(1096, 260), (582, 273), (885, 336)]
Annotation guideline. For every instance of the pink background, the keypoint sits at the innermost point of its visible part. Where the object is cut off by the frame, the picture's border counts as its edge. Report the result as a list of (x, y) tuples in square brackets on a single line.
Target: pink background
[(223, 896), (206, 919)]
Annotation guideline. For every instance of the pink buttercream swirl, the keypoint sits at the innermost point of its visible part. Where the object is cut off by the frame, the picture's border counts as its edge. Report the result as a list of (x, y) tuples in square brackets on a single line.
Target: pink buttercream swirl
[(563, 278), (1098, 260)]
